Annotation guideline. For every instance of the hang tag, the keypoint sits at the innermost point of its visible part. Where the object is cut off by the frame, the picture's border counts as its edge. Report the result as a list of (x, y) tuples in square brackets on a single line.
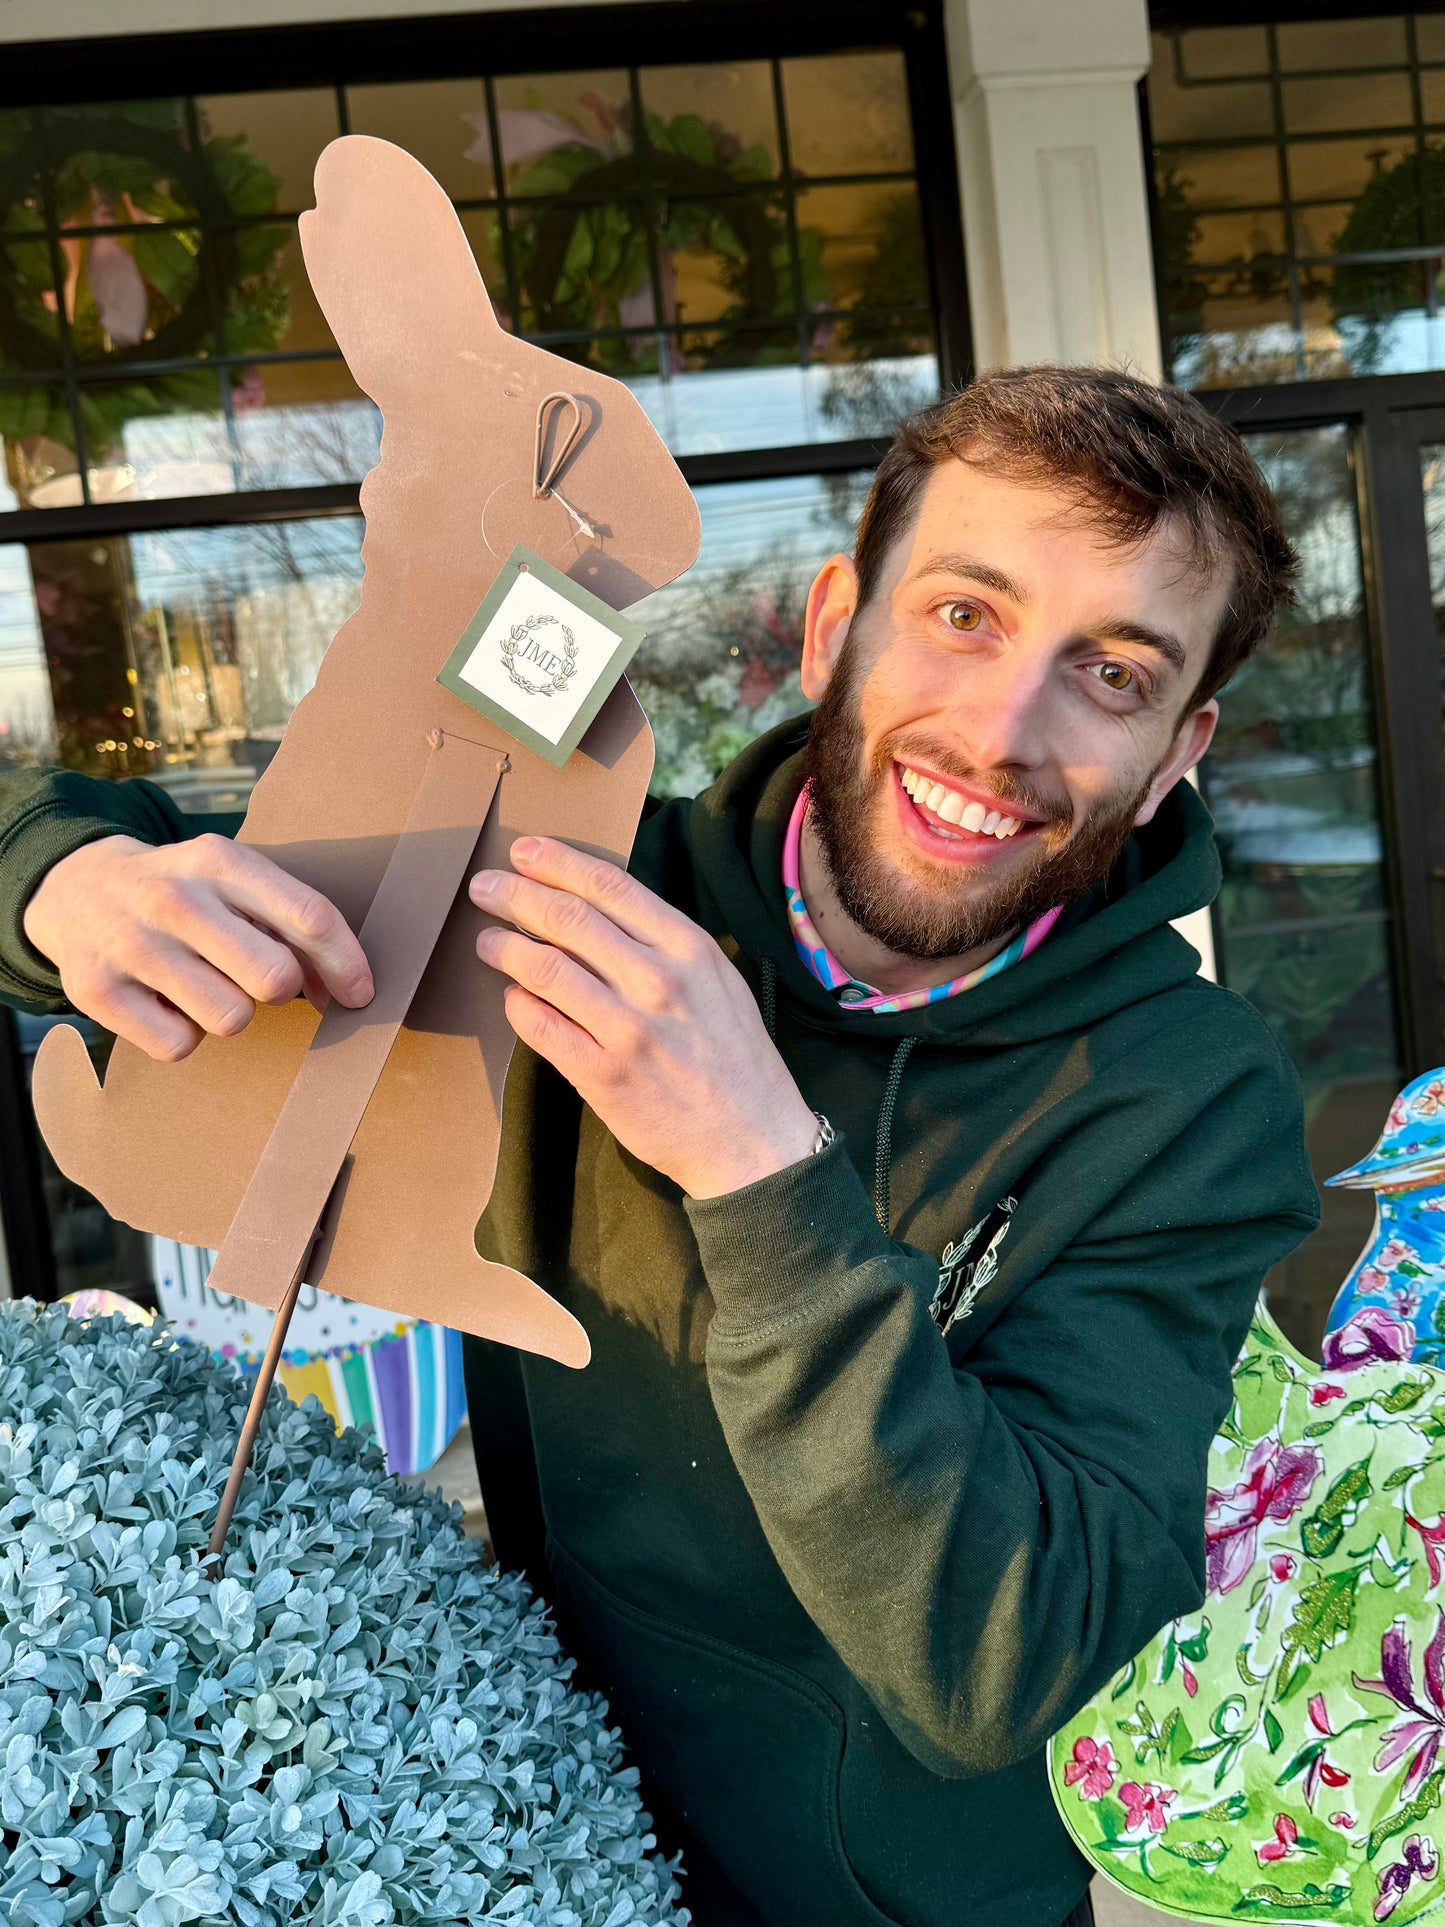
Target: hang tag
[(540, 656)]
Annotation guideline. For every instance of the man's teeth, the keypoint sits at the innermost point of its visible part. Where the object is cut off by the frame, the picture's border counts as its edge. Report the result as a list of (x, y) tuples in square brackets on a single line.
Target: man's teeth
[(953, 808)]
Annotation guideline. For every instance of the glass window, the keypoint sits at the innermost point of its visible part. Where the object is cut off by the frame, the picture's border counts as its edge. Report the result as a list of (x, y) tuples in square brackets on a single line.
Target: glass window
[(1302, 921), (1327, 138)]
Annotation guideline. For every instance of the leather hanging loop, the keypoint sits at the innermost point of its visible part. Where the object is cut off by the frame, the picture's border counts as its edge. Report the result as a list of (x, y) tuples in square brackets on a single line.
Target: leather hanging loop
[(544, 483)]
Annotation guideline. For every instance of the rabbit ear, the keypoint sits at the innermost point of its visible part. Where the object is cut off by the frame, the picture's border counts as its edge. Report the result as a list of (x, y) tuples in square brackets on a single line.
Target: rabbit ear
[(392, 268)]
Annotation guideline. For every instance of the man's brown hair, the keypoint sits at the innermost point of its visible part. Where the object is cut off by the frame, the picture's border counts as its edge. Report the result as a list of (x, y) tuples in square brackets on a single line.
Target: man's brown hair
[(1134, 454)]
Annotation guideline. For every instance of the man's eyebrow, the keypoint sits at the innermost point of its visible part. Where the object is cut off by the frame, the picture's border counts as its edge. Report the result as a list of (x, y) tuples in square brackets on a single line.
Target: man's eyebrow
[(976, 571), (1125, 629)]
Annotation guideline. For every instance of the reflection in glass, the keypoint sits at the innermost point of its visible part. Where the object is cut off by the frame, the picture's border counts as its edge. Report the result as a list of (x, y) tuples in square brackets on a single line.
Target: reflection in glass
[(284, 131), (720, 663), (273, 307), (1352, 283), (178, 656), (724, 108), (442, 122), (1302, 921), (848, 114), (870, 246), (301, 423), (557, 128)]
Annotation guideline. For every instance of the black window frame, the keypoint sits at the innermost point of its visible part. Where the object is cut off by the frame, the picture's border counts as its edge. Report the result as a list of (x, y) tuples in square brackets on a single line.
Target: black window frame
[(362, 53)]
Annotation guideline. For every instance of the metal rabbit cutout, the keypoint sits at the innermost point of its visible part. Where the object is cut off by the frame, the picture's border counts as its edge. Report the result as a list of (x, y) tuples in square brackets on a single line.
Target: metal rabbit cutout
[(1280, 1754), (372, 1135)]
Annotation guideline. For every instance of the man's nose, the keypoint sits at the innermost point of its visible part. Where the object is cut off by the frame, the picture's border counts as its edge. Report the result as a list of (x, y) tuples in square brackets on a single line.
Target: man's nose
[(1001, 713)]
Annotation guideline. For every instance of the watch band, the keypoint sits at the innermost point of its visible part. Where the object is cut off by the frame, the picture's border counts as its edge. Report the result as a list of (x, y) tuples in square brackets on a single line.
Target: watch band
[(826, 1134)]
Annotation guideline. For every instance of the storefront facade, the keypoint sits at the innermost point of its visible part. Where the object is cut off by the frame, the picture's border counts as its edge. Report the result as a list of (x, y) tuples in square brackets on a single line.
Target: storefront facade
[(783, 227)]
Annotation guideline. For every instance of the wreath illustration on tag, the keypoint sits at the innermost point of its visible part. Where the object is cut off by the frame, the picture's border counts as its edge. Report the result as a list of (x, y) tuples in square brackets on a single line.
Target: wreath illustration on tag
[(520, 632)]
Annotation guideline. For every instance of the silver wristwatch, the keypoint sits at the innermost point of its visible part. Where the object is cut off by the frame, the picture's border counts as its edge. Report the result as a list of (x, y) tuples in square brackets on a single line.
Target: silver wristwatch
[(826, 1134)]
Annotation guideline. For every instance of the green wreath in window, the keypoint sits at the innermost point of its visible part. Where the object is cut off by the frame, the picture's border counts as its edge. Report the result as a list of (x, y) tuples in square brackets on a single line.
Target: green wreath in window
[(579, 235), (152, 292)]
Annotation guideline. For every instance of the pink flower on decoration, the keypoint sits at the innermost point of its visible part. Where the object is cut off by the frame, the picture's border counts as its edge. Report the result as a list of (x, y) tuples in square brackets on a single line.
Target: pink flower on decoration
[(1370, 1278), (1319, 1772), (1399, 1116), (1431, 1538), (1427, 1102), (1281, 1566), (1420, 1732), (1370, 1337), (1276, 1482), (1321, 1392), (1404, 1301), (1282, 1845), (1421, 1862), (1147, 1805), (1345, 1821), (1191, 1684), (1394, 1252), (1091, 1769)]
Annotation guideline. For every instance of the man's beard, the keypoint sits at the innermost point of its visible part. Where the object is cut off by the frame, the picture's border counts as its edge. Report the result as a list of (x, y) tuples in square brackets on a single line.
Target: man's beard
[(962, 912)]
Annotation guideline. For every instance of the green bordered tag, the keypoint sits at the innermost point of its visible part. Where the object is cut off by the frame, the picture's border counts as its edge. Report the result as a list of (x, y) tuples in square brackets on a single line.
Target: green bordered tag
[(540, 656)]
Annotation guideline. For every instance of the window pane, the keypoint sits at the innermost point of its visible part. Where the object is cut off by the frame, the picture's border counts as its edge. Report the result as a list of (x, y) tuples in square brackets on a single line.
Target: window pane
[(1182, 110), (148, 440), (1218, 178), (302, 423), (1228, 331), (27, 715), (848, 114), (1237, 237), (1219, 53), (37, 433), (1430, 36), (556, 129), (721, 114), (1292, 781), (128, 161), (277, 135), (862, 246), (720, 663), (1342, 43), (180, 655), (1340, 170), (580, 268), (270, 305), (442, 122), (728, 260), (1349, 100)]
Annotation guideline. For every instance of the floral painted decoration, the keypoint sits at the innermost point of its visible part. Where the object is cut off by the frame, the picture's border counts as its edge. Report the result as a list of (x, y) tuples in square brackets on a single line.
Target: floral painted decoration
[(1280, 1754)]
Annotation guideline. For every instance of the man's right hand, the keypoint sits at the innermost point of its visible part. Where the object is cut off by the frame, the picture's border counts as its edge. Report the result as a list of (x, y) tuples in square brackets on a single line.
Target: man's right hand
[(162, 945)]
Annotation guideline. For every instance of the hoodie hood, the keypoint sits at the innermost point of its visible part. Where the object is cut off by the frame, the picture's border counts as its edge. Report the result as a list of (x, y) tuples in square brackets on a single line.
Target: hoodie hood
[(1112, 948)]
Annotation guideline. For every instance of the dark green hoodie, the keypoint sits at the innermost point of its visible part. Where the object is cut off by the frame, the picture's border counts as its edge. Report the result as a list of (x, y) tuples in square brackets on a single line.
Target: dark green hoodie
[(886, 1463)]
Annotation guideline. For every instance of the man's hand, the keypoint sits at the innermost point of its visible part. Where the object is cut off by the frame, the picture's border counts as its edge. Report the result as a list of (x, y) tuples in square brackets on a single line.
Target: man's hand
[(641, 1012), (163, 945)]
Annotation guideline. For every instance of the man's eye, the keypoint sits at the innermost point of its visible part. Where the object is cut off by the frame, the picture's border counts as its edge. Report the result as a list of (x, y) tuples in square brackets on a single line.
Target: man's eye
[(963, 616), (1117, 675)]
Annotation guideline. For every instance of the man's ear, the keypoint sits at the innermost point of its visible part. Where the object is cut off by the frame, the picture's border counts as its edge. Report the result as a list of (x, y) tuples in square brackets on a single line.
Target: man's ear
[(832, 602), (1194, 737)]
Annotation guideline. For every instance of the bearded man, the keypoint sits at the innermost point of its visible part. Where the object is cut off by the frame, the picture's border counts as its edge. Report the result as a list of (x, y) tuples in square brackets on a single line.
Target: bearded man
[(913, 1187)]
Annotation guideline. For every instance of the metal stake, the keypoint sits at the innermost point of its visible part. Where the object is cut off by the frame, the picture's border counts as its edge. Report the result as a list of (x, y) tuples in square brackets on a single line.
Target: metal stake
[(251, 1424)]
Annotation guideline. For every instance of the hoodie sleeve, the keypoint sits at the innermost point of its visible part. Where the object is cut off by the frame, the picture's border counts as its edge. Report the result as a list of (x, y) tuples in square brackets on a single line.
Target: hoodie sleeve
[(48, 814), (986, 1545)]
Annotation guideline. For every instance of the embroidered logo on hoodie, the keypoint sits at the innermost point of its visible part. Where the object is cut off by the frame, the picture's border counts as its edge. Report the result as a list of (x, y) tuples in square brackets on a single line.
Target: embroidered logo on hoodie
[(961, 1274)]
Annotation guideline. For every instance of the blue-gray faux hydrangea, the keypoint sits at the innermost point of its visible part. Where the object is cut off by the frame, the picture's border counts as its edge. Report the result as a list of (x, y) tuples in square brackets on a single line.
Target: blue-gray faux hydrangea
[(354, 1722)]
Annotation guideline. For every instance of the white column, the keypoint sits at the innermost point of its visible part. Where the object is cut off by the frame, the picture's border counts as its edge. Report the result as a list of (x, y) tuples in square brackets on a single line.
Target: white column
[(1052, 173), (1051, 163)]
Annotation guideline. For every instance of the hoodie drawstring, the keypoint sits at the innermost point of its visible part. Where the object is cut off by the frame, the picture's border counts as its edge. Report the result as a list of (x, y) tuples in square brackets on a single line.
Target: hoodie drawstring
[(883, 1157)]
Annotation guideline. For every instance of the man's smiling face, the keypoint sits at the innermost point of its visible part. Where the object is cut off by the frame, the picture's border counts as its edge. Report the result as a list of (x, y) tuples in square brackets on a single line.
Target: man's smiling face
[(1009, 703)]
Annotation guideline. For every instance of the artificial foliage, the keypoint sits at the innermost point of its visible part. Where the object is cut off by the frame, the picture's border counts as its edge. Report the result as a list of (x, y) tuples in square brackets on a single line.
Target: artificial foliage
[(352, 1721)]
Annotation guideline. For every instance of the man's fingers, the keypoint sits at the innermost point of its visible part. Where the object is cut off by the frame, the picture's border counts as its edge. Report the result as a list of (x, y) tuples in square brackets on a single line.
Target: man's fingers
[(560, 919), (199, 991), (551, 975), (298, 915), (565, 1045), (268, 971), (145, 1020), (620, 898)]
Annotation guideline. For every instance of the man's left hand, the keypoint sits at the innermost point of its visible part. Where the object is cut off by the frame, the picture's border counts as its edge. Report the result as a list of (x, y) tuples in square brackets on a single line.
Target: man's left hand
[(639, 1009)]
